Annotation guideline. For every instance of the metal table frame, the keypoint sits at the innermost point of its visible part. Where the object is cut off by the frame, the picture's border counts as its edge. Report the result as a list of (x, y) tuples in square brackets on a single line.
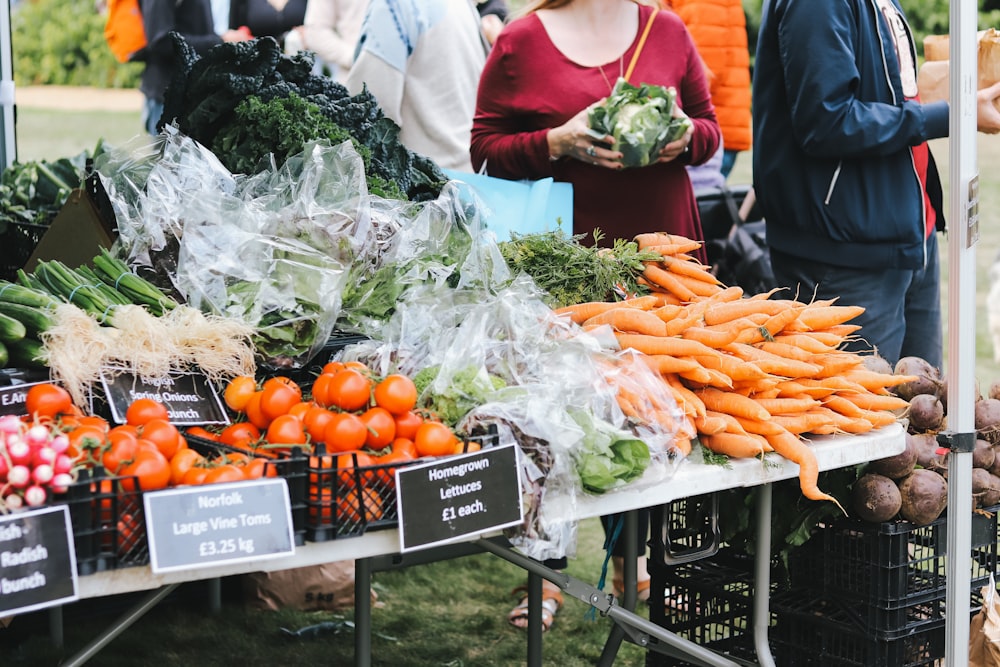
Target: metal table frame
[(379, 550)]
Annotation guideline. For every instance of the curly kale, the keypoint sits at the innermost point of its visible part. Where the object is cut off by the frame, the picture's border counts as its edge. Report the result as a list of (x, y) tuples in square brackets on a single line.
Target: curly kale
[(282, 126), (206, 91)]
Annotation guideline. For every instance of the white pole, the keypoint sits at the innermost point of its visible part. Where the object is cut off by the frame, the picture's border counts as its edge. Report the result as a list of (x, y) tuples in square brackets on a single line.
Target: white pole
[(8, 147), (963, 234)]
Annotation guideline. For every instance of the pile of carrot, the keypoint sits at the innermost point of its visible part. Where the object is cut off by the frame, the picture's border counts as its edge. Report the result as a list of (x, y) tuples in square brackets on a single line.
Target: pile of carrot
[(752, 373)]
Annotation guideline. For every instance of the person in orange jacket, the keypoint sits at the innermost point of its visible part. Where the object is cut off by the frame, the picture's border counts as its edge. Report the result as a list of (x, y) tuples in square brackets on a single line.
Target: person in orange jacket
[(719, 30)]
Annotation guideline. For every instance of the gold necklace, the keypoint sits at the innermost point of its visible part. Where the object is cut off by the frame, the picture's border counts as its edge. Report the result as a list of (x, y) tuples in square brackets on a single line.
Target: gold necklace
[(621, 72)]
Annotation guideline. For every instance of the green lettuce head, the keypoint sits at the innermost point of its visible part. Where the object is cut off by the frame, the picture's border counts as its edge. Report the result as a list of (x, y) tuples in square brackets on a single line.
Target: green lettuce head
[(640, 118)]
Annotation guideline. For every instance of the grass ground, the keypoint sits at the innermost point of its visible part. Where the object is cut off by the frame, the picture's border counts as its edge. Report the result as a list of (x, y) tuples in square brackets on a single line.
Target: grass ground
[(447, 614)]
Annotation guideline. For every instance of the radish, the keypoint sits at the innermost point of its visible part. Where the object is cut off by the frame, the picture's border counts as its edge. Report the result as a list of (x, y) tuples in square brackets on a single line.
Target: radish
[(62, 464), (60, 482), (10, 424), (19, 476), (13, 502), (37, 436), (42, 474), (19, 452), (34, 496), (44, 456), (60, 443)]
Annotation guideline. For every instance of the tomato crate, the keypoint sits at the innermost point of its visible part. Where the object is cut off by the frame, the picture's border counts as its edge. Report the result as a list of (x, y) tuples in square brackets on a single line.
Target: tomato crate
[(707, 601), (893, 572), (350, 493), (290, 465), (816, 631), (106, 515)]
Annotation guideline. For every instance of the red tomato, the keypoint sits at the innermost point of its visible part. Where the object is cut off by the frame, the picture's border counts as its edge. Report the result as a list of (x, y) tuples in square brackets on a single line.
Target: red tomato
[(277, 398), (380, 426), (238, 392), (151, 468), (434, 439), (345, 432), (227, 472), (240, 434), (163, 434), (47, 400), (286, 430), (396, 393), (316, 420), (141, 410), (407, 423), (350, 390), (181, 463)]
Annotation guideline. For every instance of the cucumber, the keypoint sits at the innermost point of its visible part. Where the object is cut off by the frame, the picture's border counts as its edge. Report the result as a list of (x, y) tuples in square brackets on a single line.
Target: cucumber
[(11, 329), (4, 357), (25, 353), (35, 320)]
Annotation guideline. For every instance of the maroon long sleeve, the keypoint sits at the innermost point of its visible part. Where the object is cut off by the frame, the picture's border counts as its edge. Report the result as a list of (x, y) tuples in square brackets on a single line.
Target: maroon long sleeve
[(529, 87)]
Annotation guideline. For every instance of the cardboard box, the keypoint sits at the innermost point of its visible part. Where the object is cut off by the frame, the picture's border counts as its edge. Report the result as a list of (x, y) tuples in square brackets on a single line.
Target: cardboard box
[(83, 226)]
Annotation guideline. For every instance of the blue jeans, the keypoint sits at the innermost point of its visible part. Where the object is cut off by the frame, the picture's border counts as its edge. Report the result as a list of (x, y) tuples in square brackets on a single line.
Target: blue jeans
[(151, 112), (902, 315)]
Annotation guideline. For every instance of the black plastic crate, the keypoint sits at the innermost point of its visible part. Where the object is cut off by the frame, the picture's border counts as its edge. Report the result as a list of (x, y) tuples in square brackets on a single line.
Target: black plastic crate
[(816, 631), (351, 493), (290, 465), (684, 530), (108, 522), (19, 241), (309, 371), (708, 602), (890, 567)]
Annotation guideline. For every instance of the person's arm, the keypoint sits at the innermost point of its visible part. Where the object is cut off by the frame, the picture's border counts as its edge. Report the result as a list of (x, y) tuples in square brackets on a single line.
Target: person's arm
[(828, 119), (327, 30), (497, 140)]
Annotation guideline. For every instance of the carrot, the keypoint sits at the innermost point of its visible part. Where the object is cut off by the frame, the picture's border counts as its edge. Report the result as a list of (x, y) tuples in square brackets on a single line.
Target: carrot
[(668, 281), (845, 407), (823, 317), (630, 319), (663, 363), (715, 338), (802, 422), (733, 424), (708, 377), (765, 296), (836, 364), (683, 444), (736, 369), (772, 363), (797, 451), (689, 267), (666, 244), (787, 405), (732, 403), (689, 401), (796, 387), (757, 426), (709, 424), (880, 418), (845, 423), (736, 445), (813, 341), (669, 312), (784, 350), (669, 345), (734, 310), (698, 286), (875, 381), (870, 401), (777, 322), (581, 312)]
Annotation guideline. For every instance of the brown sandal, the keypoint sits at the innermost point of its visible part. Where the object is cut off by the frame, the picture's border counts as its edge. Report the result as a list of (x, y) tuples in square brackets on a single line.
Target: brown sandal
[(552, 600)]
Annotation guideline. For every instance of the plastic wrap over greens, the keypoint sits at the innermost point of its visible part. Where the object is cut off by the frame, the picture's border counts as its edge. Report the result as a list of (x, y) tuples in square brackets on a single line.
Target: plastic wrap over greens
[(502, 358), (435, 244), (641, 120), (273, 249)]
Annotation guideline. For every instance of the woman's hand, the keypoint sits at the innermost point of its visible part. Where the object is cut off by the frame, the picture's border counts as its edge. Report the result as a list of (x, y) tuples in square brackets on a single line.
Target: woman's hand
[(987, 114), (571, 139), (674, 149)]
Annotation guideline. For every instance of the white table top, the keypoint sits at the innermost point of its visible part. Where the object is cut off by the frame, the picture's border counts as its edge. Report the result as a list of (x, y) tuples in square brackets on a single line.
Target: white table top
[(657, 487)]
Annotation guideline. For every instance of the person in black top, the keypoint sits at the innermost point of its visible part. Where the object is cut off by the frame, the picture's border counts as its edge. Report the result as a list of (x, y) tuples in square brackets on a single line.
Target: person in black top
[(271, 18)]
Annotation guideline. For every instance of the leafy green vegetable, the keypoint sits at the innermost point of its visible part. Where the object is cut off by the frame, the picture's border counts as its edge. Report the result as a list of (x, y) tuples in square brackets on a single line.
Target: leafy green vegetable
[(570, 272), (468, 388), (34, 192), (206, 90), (608, 457), (641, 120)]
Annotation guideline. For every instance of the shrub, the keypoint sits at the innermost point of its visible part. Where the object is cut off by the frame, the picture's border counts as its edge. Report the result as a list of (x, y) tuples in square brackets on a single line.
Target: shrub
[(61, 42)]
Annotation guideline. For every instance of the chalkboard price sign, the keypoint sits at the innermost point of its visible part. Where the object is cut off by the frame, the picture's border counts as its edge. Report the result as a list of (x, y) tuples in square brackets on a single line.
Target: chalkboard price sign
[(190, 398), (13, 399), (444, 501), (218, 523), (37, 560)]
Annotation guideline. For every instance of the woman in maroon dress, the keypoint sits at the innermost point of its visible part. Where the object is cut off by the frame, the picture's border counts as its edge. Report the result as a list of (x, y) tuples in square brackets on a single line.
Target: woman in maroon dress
[(550, 64), (554, 61)]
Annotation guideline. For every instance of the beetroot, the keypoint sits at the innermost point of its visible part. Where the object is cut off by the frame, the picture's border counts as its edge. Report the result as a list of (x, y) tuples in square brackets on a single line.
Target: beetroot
[(927, 445), (927, 377), (983, 455), (900, 465), (988, 419), (926, 413), (924, 496), (875, 498)]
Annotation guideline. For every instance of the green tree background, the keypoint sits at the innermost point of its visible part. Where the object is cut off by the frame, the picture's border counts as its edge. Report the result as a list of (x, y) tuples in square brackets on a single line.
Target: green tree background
[(61, 42)]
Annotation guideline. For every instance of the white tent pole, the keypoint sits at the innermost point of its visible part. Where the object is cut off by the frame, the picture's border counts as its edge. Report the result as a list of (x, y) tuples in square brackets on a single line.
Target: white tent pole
[(8, 148), (963, 234)]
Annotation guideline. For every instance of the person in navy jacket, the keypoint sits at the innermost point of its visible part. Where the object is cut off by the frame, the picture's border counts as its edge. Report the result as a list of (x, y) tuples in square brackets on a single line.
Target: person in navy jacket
[(842, 171)]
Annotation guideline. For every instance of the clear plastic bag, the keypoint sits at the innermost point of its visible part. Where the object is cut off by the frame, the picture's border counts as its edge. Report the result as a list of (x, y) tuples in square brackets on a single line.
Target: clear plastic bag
[(274, 250)]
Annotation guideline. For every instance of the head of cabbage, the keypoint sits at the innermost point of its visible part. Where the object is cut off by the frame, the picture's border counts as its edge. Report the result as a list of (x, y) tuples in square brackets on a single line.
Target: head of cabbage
[(641, 120)]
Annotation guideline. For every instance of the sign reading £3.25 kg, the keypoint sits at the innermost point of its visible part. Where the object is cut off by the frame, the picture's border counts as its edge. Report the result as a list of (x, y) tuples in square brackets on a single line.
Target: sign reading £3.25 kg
[(458, 496), (218, 523)]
